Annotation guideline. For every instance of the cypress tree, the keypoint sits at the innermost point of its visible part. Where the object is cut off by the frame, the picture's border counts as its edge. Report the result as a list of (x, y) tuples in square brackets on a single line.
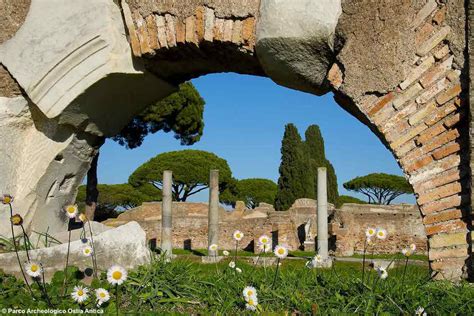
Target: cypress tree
[(294, 182), (314, 145)]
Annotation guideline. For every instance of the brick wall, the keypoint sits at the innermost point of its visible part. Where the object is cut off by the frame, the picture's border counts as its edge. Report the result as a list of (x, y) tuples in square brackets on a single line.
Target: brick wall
[(402, 222), (347, 225)]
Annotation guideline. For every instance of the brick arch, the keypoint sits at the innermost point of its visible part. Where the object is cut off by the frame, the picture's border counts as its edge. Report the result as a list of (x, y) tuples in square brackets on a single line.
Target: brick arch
[(422, 119)]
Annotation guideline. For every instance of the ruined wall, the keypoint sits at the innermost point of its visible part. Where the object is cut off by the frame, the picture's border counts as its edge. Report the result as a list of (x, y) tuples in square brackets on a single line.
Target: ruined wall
[(402, 222), (347, 225)]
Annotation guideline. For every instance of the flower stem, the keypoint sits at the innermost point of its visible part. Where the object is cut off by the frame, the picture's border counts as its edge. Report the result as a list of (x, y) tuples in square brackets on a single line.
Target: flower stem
[(17, 255), (404, 270), (43, 287), (235, 252), (94, 258), (118, 299), (276, 272), (26, 241), (67, 257), (363, 260)]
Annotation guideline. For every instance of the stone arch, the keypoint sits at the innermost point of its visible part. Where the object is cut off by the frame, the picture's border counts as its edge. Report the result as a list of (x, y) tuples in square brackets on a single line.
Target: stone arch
[(400, 68)]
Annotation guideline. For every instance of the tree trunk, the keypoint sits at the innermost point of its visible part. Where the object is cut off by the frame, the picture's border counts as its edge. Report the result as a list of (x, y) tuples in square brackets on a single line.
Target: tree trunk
[(92, 193)]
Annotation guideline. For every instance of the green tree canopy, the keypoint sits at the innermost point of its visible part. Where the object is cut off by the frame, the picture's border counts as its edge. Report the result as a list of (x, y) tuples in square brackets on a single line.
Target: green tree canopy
[(180, 112), (314, 145), (295, 181), (190, 172), (380, 188), (251, 191), (112, 196)]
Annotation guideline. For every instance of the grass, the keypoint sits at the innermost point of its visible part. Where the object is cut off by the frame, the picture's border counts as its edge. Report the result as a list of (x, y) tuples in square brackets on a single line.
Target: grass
[(185, 286)]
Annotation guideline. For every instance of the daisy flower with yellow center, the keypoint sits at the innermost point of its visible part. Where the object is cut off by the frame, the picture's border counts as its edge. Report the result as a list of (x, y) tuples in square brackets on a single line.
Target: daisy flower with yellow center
[(232, 264), (370, 232), (7, 199), (116, 275), (225, 253), (413, 247), (239, 270), (102, 296), (264, 240), (281, 251), (33, 269), (87, 251), (252, 303), (238, 235), (381, 233), (213, 247), (16, 220), (249, 291), (80, 294), (71, 211)]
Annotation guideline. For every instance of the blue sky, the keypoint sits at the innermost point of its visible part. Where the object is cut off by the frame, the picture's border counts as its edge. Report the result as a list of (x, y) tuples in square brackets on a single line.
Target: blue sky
[(244, 123)]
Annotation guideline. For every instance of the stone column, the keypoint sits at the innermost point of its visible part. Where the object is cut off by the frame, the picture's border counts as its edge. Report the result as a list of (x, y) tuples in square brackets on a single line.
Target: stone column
[(322, 214), (213, 224), (166, 217)]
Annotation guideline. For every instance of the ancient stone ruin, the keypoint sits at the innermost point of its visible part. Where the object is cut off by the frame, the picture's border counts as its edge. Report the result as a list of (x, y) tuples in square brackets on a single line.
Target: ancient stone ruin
[(73, 72)]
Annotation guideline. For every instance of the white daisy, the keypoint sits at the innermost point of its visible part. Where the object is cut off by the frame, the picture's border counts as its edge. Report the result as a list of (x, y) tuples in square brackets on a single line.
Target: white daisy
[(71, 211), (33, 269), (225, 253), (281, 251), (420, 311), (413, 247), (213, 247), (116, 275), (264, 240), (370, 232), (102, 296), (383, 274), (79, 294), (381, 233), (406, 252), (238, 235), (249, 291), (87, 251), (232, 264), (239, 270), (252, 303)]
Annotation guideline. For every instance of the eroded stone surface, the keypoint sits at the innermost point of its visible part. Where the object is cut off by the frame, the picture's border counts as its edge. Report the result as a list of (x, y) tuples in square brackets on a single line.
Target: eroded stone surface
[(125, 246), (295, 42)]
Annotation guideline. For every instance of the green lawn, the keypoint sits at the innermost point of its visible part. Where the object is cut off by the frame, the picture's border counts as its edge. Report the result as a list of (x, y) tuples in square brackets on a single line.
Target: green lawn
[(185, 286)]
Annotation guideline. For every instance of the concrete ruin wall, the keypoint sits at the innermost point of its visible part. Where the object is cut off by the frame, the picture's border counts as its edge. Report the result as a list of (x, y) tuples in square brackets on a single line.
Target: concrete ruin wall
[(347, 225), (400, 67)]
